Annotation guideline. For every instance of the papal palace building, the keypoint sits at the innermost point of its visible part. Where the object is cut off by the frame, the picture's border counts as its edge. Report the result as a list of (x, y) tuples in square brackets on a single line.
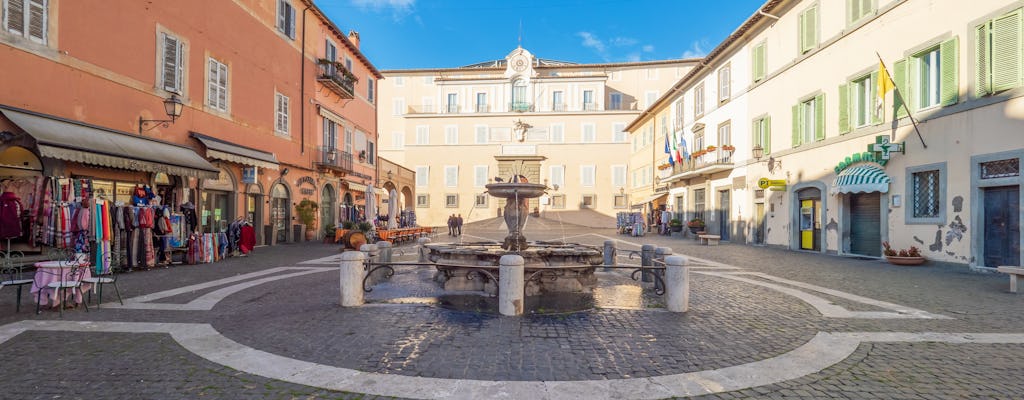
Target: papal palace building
[(788, 139), (551, 121)]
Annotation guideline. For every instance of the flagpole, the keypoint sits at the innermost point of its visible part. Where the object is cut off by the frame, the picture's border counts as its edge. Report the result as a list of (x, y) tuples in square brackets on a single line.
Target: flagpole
[(896, 92)]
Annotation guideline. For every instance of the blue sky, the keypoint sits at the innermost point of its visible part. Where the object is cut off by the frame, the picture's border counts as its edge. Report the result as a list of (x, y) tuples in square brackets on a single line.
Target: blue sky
[(404, 34)]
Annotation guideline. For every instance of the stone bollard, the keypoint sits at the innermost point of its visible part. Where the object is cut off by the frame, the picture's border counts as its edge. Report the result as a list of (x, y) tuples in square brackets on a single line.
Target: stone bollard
[(647, 260), (386, 251), (677, 282), (371, 251), (351, 281), (660, 254), (610, 254), (511, 285), (423, 250)]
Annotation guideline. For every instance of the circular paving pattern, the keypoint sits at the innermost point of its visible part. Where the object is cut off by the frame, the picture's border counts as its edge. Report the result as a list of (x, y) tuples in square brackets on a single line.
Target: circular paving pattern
[(729, 323)]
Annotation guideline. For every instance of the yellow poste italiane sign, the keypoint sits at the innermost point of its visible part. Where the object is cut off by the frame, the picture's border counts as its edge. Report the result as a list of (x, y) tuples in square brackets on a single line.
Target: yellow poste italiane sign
[(774, 184)]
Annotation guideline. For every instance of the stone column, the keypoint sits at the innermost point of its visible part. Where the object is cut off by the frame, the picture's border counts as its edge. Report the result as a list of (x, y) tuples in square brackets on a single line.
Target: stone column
[(647, 260), (659, 255), (371, 252), (511, 285), (422, 249), (386, 250), (677, 282), (610, 254), (351, 281)]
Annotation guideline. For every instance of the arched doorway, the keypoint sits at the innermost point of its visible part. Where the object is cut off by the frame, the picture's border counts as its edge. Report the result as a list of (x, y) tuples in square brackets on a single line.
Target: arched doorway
[(280, 212), (327, 199), (809, 219), (347, 208), (218, 201), (254, 209), (408, 197)]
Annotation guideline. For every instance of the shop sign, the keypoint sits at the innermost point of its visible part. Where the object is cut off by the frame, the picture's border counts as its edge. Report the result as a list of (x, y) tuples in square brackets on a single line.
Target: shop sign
[(310, 181), (878, 152), (772, 184), (250, 175)]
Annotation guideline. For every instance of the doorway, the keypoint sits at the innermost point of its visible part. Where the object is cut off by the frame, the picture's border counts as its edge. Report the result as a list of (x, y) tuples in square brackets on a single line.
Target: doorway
[(809, 219), (723, 214), (327, 206), (279, 212), (1002, 226), (759, 223), (865, 224)]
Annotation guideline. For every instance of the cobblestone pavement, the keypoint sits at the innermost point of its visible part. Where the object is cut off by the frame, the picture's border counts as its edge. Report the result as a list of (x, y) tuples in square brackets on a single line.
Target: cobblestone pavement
[(737, 317)]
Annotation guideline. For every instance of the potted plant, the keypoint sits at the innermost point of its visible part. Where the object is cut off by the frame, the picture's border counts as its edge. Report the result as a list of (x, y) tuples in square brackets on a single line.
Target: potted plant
[(711, 148), (911, 256), (695, 225), (329, 231), (728, 147), (307, 214), (675, 225)]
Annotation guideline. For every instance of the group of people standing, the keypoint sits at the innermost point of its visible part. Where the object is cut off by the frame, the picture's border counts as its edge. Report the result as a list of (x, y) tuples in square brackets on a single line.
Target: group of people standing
[(455, 225)]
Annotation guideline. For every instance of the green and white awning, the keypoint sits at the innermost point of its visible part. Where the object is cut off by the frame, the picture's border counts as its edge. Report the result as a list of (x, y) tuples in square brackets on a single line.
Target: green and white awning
[(861, 179)]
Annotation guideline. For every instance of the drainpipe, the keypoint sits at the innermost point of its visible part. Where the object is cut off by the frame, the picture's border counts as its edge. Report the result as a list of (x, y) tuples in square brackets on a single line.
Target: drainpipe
[(760, 11), (302, 86)]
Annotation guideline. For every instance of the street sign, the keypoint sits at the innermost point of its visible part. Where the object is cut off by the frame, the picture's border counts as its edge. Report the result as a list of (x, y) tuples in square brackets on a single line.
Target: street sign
[(765, 183)]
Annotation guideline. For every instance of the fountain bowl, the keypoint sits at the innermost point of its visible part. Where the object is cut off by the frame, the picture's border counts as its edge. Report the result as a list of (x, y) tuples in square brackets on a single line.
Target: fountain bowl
[(511, 190)]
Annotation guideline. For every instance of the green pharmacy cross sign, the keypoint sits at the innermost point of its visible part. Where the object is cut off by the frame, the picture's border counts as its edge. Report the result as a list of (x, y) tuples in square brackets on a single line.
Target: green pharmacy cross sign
[(883, 147), (878, 152)]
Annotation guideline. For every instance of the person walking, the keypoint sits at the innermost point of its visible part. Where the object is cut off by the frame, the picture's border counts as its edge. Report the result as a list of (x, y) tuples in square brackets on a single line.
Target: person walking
[(451, 225), (458, 225)]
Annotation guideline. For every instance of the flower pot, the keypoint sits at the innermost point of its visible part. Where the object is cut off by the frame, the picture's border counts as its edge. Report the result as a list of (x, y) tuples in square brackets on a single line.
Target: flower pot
[(695, 229), (310, 234), (676, 228), (896, 260)]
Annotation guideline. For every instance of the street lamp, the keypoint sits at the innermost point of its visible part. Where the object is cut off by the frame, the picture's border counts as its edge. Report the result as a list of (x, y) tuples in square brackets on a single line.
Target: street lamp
[(172, 106), (758, 152)]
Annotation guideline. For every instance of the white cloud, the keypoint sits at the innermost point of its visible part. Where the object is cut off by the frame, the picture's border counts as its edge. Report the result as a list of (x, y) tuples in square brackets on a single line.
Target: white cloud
[(591, 41), (633, 57), (697, 49), (399, 8), (623, 42), (648, 48)]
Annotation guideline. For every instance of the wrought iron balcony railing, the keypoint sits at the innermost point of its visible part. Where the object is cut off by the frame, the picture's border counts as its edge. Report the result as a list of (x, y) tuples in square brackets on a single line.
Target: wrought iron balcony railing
[(335, 159), (558, 107), (520, 106), (336, 77), (589, 106)]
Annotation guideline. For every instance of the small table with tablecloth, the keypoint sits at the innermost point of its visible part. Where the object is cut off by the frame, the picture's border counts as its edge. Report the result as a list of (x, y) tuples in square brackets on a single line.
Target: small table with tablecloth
[(55, 271)]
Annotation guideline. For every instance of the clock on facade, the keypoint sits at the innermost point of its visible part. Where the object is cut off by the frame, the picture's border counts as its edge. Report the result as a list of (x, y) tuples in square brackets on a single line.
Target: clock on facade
[(519, 64)]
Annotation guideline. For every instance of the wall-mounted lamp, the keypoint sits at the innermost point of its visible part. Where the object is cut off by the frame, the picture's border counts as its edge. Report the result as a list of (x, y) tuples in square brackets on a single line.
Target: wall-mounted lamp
[(622, 191), (172, 106), (284, 171), (390, 174), (772, 162)]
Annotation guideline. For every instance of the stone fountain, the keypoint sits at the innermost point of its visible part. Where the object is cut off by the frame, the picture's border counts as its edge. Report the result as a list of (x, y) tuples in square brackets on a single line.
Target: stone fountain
[(545, 262)]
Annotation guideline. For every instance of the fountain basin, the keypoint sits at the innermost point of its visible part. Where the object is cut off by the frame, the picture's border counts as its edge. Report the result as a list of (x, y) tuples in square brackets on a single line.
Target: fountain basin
[(511, 190)]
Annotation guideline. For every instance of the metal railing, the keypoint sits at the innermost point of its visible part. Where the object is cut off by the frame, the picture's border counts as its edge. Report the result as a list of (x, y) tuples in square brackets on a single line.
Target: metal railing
[(336, 77), (558, 107), (482, 108), (334, 158), (589, 106), (520, 106), (452, 108)]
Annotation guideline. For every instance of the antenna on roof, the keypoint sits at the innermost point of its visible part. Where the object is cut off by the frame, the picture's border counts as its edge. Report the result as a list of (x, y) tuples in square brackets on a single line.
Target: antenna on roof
[(520, 44)]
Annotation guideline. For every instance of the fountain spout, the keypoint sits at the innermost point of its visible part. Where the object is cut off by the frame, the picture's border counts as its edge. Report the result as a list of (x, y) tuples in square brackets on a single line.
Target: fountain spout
[(517, 195)]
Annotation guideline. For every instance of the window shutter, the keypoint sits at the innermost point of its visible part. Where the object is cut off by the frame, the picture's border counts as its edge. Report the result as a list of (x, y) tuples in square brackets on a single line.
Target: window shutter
[(876, 103), (797, 122), (766, 140), (949, 52), (808, 31), (291, 21), (759, 62), (222, 95), (851, 11), (844, 108), (280, 15), (1006, 51), (802, 34), (16, 16), (172, 57), (982, 61), (899, 75), (819, 117), (37, 20), (211, 83)]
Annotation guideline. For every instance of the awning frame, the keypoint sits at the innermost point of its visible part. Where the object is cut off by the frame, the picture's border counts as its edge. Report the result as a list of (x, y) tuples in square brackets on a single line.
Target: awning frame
[(861, 178)]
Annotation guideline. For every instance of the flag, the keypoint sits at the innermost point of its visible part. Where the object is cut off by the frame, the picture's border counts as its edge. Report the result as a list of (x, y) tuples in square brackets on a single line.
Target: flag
[(675, 149), (671, 160), (682, 145), (884, 82)]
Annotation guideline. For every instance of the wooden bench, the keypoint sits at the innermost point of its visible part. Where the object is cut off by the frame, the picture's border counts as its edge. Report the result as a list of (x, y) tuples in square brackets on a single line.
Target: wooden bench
[(710, 240), (1013, 272)]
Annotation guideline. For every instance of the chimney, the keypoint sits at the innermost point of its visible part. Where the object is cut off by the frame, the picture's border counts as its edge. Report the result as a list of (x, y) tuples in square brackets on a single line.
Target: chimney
[(353, 37)]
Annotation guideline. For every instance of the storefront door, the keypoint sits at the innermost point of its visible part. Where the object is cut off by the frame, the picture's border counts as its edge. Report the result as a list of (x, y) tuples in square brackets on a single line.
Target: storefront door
[(254, 213), (723, 214), (759, 223), (216, 212), (1002, 226), (279, 212), (865, 228), (327, 199)]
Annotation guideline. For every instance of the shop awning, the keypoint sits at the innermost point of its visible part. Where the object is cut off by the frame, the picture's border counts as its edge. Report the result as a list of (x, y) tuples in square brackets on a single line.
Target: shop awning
[(89, 144), (356, 187), (861, 179), (652, 198), (227, 151)]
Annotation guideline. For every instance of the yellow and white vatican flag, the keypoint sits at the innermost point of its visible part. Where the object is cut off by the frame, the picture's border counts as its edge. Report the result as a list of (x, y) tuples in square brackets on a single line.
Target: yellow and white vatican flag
[(885, 84)]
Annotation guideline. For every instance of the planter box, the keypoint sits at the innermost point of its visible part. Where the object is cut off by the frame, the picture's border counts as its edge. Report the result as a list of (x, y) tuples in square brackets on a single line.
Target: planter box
[(676, 228), (895, 260), (695, 229)]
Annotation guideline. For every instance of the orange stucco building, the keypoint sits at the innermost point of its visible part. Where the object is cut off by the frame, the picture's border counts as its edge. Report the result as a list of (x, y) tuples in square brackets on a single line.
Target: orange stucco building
[(85, 84)]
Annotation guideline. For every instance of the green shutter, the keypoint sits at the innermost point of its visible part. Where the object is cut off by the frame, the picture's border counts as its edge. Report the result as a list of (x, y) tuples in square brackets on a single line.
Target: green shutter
[(759, 62), (819, 117), (797, 122), (1006, 51), (899, 75), (766, 141), (982, 61), (844, 108), (808, 29), (755, 133), (949, 54), (850, 5)]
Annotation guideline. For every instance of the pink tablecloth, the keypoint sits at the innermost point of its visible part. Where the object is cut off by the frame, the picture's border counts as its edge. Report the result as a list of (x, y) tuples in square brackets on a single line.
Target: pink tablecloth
[(54, 271)]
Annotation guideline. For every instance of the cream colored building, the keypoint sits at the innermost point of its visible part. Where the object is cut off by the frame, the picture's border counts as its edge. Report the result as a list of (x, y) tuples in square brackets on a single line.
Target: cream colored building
[(802, 85), (456, 128)]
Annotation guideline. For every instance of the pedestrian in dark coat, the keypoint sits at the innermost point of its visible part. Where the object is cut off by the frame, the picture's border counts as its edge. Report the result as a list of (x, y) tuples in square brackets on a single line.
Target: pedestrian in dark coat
[(451, 225), (458, 225)]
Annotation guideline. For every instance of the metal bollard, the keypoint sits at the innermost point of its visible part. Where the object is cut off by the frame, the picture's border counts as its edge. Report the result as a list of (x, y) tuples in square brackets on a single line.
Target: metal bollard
[(647, 260), (677, 282), (610, 254), (511, 285), (424, 252), (386, 251), (660, 254), (351, 281)]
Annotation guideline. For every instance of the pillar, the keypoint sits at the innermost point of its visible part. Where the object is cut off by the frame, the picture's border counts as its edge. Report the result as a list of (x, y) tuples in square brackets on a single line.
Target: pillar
[(610, 254), (351, 281), (511, 285), (422, 249), (660, 254), (647, 260), (386, 251), (677, 283)]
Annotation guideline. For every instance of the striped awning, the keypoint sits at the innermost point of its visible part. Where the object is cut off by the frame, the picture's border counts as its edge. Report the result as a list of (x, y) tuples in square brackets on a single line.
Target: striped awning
[(861, 179)]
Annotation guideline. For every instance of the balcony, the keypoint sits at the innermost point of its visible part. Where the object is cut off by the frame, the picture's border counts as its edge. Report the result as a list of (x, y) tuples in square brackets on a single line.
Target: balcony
[(589, 106), (452, 108), (482, 108), (336, 77), (520, 106), (332, 158), (706, 164), (559, 107)]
